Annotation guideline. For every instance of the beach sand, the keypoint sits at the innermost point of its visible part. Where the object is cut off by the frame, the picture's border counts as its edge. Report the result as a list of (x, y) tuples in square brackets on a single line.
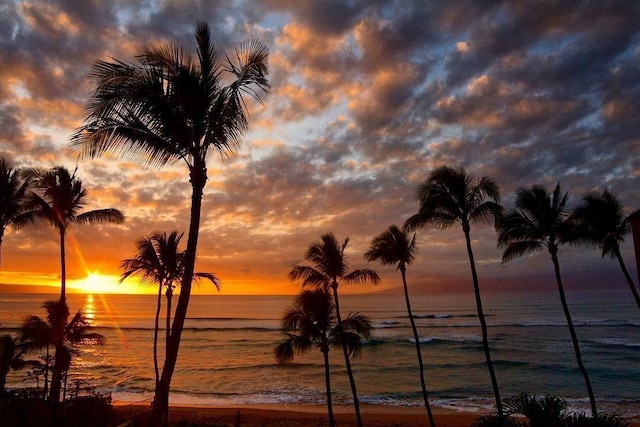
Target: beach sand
[(307, 416)]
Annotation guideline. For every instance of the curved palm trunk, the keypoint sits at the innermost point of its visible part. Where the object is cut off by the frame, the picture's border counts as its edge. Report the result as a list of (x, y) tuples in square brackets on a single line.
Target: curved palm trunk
[(63, 269), (574, 337), (347, 362), (155, 334), (160, 412), (327, 380), (418, 351), (483, 323), (627, 276)]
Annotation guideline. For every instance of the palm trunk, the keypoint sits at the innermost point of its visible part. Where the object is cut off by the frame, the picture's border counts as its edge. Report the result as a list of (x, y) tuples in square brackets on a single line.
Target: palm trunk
[(483, 323), (168, 325), (56, 377), (155, 334), (347, 362), (418, 351), (63, 269), (327, 380), (159, 414), (574, 337), (46, 373), (634, 291)]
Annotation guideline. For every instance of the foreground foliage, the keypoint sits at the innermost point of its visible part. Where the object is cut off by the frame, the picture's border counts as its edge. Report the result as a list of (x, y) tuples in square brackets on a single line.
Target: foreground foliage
[(545, 411)]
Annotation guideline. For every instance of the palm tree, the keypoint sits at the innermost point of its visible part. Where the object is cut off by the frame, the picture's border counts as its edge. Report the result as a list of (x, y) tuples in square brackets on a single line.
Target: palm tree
[(328, 271), (393, 247), (602, 223), (171, 107), (541, 220), (312, 321), (57, 331), (13, 192), (11, 357), (57, 201), (160, 262), (452, 196)]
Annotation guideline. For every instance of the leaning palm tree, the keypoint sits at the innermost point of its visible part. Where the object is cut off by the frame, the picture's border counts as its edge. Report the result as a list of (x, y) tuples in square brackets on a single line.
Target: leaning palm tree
[(393, 247), (312, 322), (328, 271), (160, 262), (601, 221), (13, 193), (168, 107), (57, 200), (451, 196), (56, 330), (541, 220)]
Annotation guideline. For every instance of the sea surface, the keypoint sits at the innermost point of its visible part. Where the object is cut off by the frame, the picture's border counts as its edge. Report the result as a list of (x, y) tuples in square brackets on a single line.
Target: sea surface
[(226, 356)]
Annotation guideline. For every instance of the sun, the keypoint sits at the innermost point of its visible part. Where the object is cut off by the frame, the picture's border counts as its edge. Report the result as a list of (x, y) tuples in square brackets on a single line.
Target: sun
[(96, 283)]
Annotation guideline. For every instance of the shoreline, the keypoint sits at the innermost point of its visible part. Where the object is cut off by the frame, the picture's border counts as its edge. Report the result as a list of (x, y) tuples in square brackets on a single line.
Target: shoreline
[(298, 415)]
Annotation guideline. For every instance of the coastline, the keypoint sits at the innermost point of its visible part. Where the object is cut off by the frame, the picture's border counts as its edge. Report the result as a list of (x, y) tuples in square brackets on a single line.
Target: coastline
[(297, 415)]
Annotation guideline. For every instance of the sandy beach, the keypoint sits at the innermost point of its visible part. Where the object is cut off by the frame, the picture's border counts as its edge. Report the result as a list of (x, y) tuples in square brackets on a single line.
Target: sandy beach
[(306, 415)]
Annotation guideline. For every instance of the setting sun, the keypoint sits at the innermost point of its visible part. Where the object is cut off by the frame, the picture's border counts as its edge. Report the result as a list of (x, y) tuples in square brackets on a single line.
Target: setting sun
[(96, 283)]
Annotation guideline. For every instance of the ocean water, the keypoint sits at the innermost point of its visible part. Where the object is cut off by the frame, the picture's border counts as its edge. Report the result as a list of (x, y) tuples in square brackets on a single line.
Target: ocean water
[(226, 356)]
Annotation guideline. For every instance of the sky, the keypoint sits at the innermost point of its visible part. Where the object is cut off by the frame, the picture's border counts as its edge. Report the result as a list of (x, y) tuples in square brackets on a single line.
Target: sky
[(367, 98)]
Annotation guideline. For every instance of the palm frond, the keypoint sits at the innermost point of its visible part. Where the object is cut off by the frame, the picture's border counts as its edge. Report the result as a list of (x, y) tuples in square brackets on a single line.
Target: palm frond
[(362, 275), (517, 249), (98, 216), (211, 277)]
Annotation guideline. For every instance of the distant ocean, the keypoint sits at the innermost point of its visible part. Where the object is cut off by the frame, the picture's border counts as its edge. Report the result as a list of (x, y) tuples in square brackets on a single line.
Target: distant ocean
[(226, 355)]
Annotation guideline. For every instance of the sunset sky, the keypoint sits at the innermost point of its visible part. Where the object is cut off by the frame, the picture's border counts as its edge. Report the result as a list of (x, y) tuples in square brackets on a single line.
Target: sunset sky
[(367, 98)]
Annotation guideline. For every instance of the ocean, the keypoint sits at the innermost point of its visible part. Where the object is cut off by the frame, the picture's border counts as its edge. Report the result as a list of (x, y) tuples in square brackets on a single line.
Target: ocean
[(226, 356)]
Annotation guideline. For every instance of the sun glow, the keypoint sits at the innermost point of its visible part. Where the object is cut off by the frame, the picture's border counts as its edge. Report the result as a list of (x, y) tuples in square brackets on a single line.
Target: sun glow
[(96, 283)]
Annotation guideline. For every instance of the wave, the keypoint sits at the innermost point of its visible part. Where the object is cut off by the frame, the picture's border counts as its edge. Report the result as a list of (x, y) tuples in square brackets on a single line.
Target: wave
[(452, 338), (616, 342)]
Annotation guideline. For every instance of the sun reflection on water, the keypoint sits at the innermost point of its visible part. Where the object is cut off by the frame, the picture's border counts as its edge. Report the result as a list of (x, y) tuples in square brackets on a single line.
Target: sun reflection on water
[(89, 309)]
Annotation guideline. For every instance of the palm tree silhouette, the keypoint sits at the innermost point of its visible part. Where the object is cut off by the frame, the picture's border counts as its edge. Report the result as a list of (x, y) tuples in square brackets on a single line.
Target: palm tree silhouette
[(57, 201), (57, 331), (451, 196), (160, 262), (172, 107), (393, 247), (11, 357), (312, 321), (541, 220), (601, 221), (13, 193), (328, 271)]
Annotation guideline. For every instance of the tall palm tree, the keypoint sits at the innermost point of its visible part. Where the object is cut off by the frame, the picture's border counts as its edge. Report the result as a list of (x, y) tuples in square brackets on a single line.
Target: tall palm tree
[(393, 247), (13, 193), (172, 107), (57, 200), (541, 220), (160, 262), (602, 223), (329, 269), (451, 196), (312, 321), (57, 331)]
